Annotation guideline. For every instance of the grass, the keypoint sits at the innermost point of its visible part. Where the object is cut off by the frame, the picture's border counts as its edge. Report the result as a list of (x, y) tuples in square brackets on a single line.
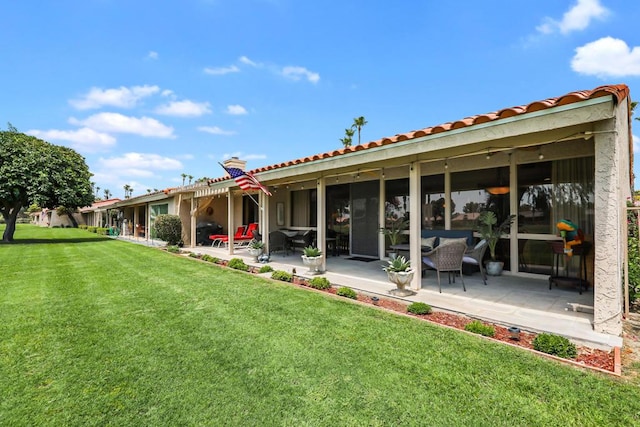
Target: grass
[(102, 332)]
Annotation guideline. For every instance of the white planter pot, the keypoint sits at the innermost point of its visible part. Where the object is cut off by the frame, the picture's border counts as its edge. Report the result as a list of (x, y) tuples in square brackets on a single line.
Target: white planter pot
[(255, 252), (494, 268), (401, 279), (313, 263)]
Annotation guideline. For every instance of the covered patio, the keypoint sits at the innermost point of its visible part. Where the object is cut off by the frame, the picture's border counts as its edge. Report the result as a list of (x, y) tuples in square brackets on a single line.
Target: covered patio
[(507, 300)]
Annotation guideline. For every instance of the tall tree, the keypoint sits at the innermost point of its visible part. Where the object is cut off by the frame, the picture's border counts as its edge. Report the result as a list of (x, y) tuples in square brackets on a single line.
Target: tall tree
[(107, 194), (348, 137), (35, 171), (184, 176), (126, 187), (358, 122), (190, 178)]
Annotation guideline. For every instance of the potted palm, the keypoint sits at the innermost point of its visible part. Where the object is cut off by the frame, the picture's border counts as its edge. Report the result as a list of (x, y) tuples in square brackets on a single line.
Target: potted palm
[(491, 232), (399, 271), (312, 258), (255, 248), (393, 230)]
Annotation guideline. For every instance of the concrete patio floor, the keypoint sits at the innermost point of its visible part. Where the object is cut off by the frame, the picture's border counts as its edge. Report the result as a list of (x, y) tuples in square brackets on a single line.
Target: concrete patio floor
[(506, 300)]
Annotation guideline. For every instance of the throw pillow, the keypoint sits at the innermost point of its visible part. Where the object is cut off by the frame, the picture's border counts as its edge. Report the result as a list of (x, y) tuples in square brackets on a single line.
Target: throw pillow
[(429, 242), (448, 241)]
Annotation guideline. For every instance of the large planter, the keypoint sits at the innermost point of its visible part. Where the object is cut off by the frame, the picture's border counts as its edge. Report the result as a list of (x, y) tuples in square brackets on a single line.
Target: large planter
[(401, 279), (313, 263), (494, 268), (255, 253)]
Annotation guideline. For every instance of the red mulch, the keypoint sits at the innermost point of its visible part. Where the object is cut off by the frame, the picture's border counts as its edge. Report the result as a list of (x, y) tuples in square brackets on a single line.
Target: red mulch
[(589, 357)]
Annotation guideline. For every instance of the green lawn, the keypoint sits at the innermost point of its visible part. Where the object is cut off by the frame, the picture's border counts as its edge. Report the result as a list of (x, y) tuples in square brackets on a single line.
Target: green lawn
[(101, 332)]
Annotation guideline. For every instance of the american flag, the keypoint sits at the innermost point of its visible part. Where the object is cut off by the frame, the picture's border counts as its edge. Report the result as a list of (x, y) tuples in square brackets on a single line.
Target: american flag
[(246, 180)]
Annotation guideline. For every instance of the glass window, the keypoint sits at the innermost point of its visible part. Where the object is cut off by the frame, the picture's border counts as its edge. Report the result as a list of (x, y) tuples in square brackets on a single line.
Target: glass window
[(475, 191), (433, 200), (397, 198)]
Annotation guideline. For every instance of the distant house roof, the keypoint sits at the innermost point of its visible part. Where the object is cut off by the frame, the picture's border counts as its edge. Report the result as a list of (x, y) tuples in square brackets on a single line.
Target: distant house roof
[(619, 92), (99, 204)]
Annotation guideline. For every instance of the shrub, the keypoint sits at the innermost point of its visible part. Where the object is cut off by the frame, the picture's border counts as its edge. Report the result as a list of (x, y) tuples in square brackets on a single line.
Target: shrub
[(168, 228), (265, 269), (103, 231), (477, 327), (92, 229), (319, 283), (173, 249), (555, 345), (419, 308), (210, 258), (194, 255), (282, 275), (238, 264), (83, 226), (347, 293)]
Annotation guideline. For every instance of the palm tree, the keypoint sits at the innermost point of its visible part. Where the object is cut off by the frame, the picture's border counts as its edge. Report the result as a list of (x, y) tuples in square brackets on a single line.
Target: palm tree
[(148, 190), (348, 137), (184, 176), (358, 122), (126, 187), (190, 178), (107, 194), (130, 191), (346, 141), (97, 191)]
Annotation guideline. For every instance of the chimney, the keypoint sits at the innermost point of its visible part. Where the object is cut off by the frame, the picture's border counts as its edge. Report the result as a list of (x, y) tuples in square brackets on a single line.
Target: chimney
[(235, 162)]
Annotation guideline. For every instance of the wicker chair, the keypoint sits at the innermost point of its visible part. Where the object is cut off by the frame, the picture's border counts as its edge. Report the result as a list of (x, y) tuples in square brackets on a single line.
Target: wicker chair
[(278, 241), (446, 258), (474, 257)]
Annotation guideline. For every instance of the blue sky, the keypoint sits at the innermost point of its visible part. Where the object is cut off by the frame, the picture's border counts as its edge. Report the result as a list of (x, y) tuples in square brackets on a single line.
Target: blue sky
[(149, 90)]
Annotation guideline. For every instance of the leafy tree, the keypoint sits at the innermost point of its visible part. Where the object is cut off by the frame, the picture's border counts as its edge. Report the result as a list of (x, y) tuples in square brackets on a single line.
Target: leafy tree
[(35, 171), (358, 123), (168, 228)]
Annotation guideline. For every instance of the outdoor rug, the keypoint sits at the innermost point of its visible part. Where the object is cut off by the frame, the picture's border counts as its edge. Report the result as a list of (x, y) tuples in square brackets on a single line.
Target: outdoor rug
[(364, 259)]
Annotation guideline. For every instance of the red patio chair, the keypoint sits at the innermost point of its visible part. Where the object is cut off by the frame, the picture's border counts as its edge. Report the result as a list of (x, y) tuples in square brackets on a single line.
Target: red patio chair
[(219, 239), (244, 239)]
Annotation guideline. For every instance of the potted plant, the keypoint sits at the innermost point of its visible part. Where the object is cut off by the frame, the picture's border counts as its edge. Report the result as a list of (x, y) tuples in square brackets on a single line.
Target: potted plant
[(255, 248), (393, 230), (399, 271), (312, 257), (491, 232)]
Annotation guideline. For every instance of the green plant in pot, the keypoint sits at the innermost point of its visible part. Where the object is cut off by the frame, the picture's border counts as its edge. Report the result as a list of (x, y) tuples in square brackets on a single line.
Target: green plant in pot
[(312, 257), (393, 229), (255, 248), (399, 271), (491, 231)]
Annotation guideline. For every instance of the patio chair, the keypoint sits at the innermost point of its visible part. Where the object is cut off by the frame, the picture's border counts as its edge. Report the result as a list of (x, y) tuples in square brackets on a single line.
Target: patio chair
[(475, 255), (302, 241), (278, 241), (446, 259), (219, 239), (247, 236)]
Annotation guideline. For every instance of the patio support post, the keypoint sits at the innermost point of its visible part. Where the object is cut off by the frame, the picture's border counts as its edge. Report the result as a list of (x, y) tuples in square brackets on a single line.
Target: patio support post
[(611, 189), (321, 226), (513, 208), (264, 201), (136, 221), (382, 238), (231, 226), (194, 212), (415, 224)]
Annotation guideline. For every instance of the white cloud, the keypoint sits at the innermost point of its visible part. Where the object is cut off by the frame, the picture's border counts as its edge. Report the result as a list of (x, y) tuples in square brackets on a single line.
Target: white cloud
[(123, 97), (139, 164), (297, 73), (114, 122), (167, 92), (236, 110), (184, 109), (219, 71), (152, 54), (575, 19), (215, 130), (607, 57), (84, 139), (243, 59)]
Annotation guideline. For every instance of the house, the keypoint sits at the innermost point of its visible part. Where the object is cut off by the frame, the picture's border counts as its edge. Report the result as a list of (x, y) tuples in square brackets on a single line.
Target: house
[(568, 157)]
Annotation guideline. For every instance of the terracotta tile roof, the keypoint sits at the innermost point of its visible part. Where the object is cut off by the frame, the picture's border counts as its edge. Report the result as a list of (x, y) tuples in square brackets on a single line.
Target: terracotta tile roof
[(619, 92), (99, 204)]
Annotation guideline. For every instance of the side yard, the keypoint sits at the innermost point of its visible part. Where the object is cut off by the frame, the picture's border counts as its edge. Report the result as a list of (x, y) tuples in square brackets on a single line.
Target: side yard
[(95, 331)]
